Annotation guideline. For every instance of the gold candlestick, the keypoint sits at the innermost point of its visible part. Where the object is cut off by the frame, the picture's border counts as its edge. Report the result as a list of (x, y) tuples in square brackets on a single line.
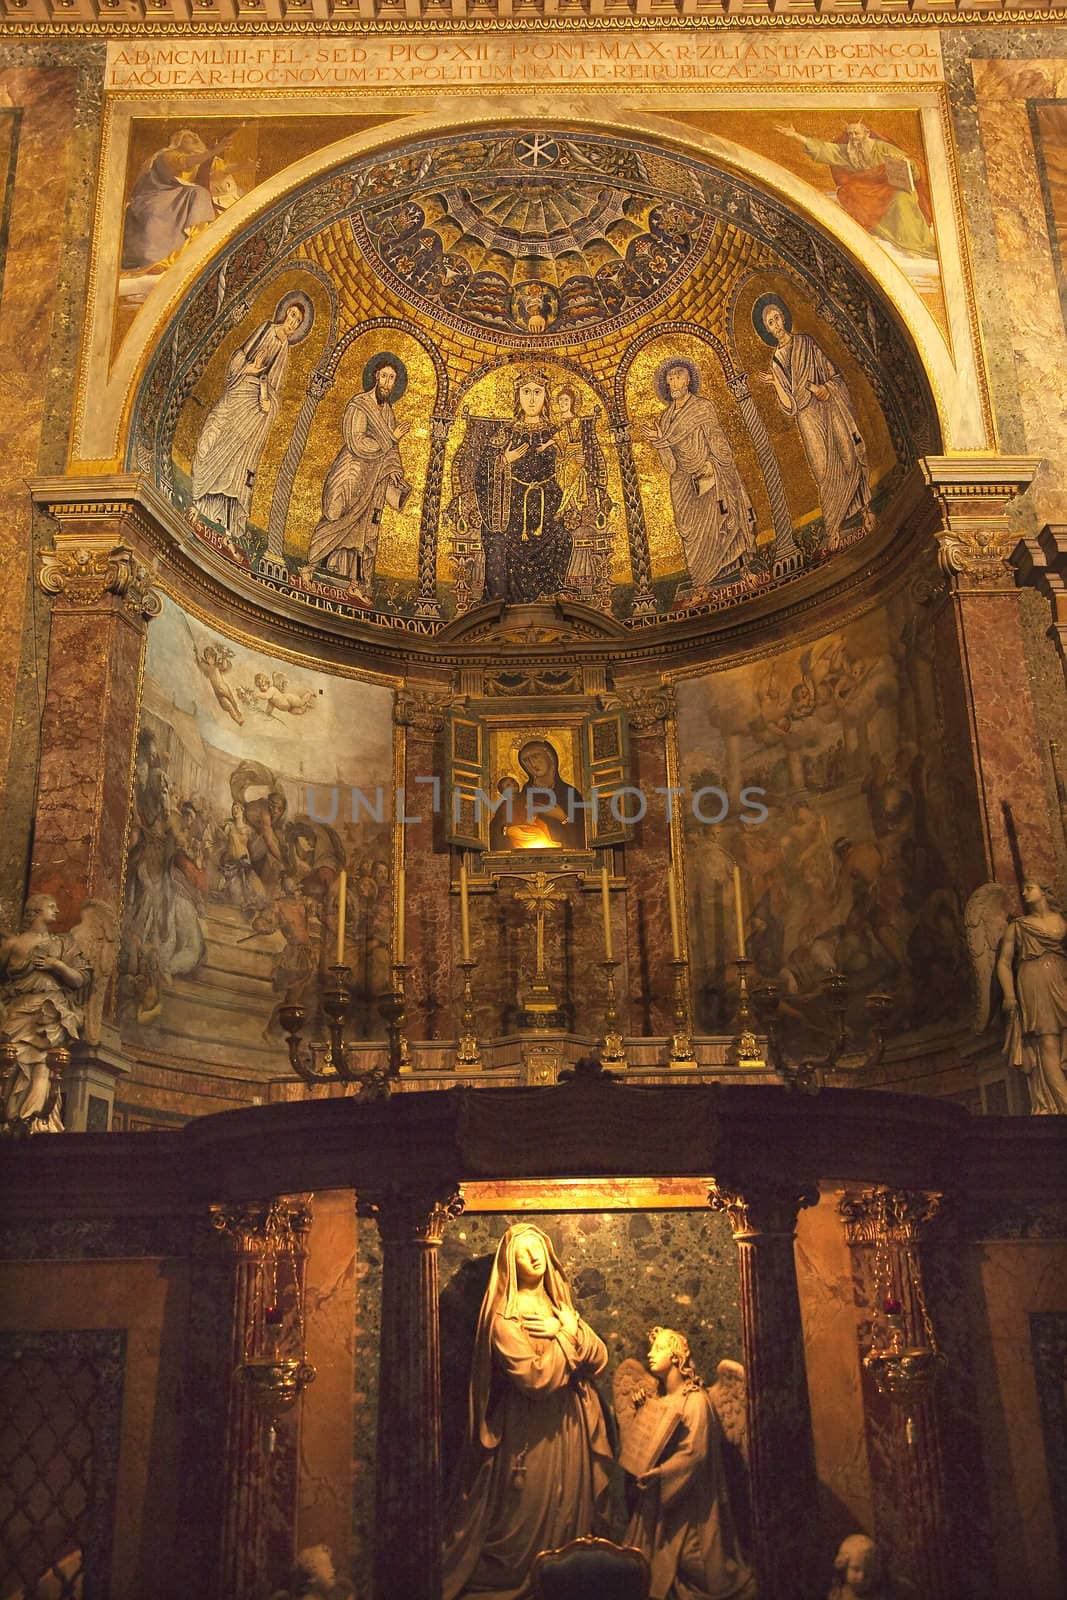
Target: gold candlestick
[(681, 1042), (745, 1048), (612, 1049), (393, 1009), (468, 1056)]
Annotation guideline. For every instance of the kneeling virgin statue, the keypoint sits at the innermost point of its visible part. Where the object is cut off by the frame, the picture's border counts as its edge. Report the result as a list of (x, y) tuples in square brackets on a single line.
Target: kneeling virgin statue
[(537, 1458)]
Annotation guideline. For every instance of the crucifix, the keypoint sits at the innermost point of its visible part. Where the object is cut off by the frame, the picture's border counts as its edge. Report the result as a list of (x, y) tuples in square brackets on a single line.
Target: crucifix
[(539, 1007)]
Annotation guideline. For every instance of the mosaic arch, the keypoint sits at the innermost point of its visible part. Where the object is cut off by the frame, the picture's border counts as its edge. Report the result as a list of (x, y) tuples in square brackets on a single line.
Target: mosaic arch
[(513, 365)]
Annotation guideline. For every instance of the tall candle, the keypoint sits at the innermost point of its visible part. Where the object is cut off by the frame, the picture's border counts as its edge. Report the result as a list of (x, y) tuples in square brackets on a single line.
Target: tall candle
[(400, 941), (672, 901), (464, 910), (605, 902), (739, 913), (342, 899)]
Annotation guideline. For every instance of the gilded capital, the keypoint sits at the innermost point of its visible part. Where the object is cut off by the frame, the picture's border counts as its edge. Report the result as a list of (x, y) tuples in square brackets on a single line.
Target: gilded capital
[(264, 1228), (411, 1216), (87, 575), (889, 1216), (760, 1209)]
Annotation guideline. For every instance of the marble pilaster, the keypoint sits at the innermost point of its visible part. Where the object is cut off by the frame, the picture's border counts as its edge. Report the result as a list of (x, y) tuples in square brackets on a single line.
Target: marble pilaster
[(992, 744), (102, 601), (781, 1456)]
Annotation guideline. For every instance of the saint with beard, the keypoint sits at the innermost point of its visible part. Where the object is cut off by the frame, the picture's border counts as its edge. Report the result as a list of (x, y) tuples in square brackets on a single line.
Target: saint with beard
[(367, 474)]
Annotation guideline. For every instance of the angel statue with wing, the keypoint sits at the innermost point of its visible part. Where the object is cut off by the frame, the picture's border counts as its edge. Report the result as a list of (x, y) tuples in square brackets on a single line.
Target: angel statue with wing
[(671, 1436), (1022, 962)]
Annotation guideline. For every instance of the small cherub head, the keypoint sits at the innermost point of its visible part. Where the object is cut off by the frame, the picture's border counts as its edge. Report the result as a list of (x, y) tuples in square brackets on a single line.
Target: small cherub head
[(859, 1566), (314, 1572), (262, 682)]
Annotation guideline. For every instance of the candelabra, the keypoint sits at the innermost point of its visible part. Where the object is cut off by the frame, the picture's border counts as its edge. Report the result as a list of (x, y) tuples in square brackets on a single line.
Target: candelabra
[(807, 1075), (468, 1056), (337, 1057), (745, 1049), (681, 1041), (612, 1049)]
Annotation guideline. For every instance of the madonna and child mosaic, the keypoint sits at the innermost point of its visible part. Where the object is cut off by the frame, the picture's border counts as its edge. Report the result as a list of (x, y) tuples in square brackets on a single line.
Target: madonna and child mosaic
[(507, 368)]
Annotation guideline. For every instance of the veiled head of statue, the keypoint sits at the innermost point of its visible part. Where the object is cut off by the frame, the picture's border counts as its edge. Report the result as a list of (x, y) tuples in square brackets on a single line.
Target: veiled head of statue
[(523, 1246)]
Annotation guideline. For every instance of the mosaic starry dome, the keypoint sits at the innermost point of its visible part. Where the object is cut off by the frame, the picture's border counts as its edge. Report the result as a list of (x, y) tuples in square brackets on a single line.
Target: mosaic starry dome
[(535, 235)]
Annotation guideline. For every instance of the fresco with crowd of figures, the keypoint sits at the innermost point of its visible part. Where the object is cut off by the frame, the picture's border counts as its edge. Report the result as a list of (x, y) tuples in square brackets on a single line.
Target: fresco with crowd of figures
[(506, 367), (243, 822), (855, 866)]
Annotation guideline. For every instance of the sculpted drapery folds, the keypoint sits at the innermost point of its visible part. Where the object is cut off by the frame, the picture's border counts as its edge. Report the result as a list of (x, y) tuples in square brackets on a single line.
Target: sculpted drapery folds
[(537, 1457), (366, 475), (682, 1519), (712, 510), (235, 431), (810, 389), (42, 979), (1032, 968)]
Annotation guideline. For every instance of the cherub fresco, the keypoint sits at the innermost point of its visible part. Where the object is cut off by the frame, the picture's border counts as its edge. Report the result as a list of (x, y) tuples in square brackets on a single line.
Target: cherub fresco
[(215, 661)]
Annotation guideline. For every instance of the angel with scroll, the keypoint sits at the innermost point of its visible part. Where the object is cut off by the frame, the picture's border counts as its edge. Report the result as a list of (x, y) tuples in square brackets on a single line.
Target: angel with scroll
[(1024, 960), (672, 1446)]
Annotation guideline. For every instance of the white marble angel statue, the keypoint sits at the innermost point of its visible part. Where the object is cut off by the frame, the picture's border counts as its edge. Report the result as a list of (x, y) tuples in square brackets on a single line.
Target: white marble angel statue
[(671, 1431), (1021, 963), (860, 1573), (52, 991)]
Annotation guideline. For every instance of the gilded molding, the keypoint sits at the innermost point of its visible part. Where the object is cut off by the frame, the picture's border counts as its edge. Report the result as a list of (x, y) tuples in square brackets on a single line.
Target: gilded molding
[(889, 1216), (85, 575), (759, 1209)]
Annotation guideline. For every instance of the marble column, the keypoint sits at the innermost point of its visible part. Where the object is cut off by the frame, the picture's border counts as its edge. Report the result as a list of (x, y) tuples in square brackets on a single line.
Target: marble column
[(781, 1454), (929, 1489), (989, 732), (255, 1516), (102, 602), (409, 1529)]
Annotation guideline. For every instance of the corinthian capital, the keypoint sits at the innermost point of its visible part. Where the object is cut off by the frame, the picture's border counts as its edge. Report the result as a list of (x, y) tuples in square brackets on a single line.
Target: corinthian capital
[(888, 1216), (90, 575), (411, 1215), (424, 710), (646, 705), (761, 1209)]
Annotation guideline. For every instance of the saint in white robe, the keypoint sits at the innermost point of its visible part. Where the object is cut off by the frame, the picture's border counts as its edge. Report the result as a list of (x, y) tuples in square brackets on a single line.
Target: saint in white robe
[(236, 428), (829, 431)]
